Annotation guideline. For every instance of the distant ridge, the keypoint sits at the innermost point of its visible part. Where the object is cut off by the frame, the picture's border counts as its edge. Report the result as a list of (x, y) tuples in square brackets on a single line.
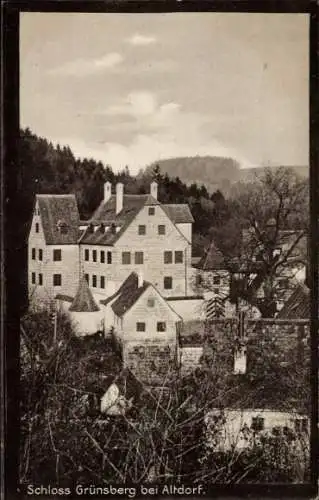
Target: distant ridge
[(213, 171)]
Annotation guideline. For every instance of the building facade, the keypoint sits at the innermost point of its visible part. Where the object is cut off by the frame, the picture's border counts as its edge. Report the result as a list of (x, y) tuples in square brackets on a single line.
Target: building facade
[(126, 233)]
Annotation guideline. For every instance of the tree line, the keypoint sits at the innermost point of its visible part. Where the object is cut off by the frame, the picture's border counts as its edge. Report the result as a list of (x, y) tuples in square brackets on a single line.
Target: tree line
[(278, 196)]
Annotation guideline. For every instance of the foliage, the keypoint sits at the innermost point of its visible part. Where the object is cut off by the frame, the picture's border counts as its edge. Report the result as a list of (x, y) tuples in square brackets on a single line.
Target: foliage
[(162, 438)]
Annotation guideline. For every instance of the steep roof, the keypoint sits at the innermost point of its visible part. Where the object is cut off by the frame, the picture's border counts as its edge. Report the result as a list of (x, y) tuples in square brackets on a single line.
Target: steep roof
[(128, 294), (106, 214), (213, 259), (57, 210), (298, 304), (178, 214), (118, 223), (83, 300)]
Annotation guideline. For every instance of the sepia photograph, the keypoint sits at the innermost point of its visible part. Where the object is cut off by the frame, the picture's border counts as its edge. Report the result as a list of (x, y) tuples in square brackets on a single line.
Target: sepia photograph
[(164, 187)]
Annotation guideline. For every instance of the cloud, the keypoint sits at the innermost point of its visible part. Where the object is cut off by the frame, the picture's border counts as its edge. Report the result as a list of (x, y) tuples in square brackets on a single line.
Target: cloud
[(139, 130), (144, 105), (140, 40), (85, 67)]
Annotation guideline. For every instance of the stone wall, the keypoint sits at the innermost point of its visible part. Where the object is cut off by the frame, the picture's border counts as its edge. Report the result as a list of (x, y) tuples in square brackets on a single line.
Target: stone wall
[(273, 348), (153, 363)]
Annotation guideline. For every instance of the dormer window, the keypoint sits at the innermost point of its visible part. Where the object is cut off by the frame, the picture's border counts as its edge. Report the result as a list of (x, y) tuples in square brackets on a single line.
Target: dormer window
[(36, 227), (102, 228), (62, 227), (90, 228), (113, 228)]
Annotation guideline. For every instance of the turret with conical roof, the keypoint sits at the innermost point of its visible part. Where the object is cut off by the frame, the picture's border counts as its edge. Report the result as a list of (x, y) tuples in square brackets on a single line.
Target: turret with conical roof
[(84, 300)]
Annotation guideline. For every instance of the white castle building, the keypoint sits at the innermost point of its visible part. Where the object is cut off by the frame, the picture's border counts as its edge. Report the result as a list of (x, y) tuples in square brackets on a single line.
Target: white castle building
[(134, 254)]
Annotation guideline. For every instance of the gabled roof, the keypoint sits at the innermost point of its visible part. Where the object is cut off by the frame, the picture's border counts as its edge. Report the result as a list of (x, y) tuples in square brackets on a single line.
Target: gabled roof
[(213, 259), (128, 294), (132, 204), (298, 304), (178, 214), (57, 209), (106, 214), (83, 300)]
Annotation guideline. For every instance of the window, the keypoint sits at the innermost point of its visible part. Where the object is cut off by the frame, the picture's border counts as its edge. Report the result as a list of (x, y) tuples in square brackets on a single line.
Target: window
[(161, 326), (33, 253), (109, 257), (57, 255), (40, 254), (168, 257), (140, 327), (168, 282), (94, 255), (150, 302), (86, 254), (36, 227), (102, 282), (40, 279), (257, 423), (151, 211), (216, 280), (57, 280), (86, 276), (33, 278), (178, 257), (62, 227), (126, 257), (102, 256), (142, 229), (216, 291), (139, 258), (94, 280), (161, 229)]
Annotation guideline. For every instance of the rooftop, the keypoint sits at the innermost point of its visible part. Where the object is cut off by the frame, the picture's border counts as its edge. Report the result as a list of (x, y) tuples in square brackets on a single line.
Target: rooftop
[(115, 224), (126, 296), (213, 259), (83, 300), (60, 218)]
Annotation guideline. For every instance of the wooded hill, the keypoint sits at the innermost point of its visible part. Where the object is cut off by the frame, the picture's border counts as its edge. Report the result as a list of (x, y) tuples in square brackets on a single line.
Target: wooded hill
[(217, 173)]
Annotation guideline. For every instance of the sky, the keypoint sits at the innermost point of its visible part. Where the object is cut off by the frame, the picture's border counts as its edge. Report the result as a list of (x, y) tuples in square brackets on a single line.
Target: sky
[(130, 89)]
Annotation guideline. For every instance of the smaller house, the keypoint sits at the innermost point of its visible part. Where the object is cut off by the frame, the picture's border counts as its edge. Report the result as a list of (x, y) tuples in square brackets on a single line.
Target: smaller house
[(235, 428), (212, 279), (144, 327), (212, 273), (86, 316), (138, 312)]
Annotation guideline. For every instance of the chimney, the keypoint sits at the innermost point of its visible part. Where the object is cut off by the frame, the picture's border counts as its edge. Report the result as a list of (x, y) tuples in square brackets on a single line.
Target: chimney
[(154, 187), (107, 191), (140, 279), (119, 197)]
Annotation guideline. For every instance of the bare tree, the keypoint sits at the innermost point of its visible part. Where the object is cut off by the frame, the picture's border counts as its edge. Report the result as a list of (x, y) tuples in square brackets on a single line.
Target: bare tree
[(272, 212), (161, 438)]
